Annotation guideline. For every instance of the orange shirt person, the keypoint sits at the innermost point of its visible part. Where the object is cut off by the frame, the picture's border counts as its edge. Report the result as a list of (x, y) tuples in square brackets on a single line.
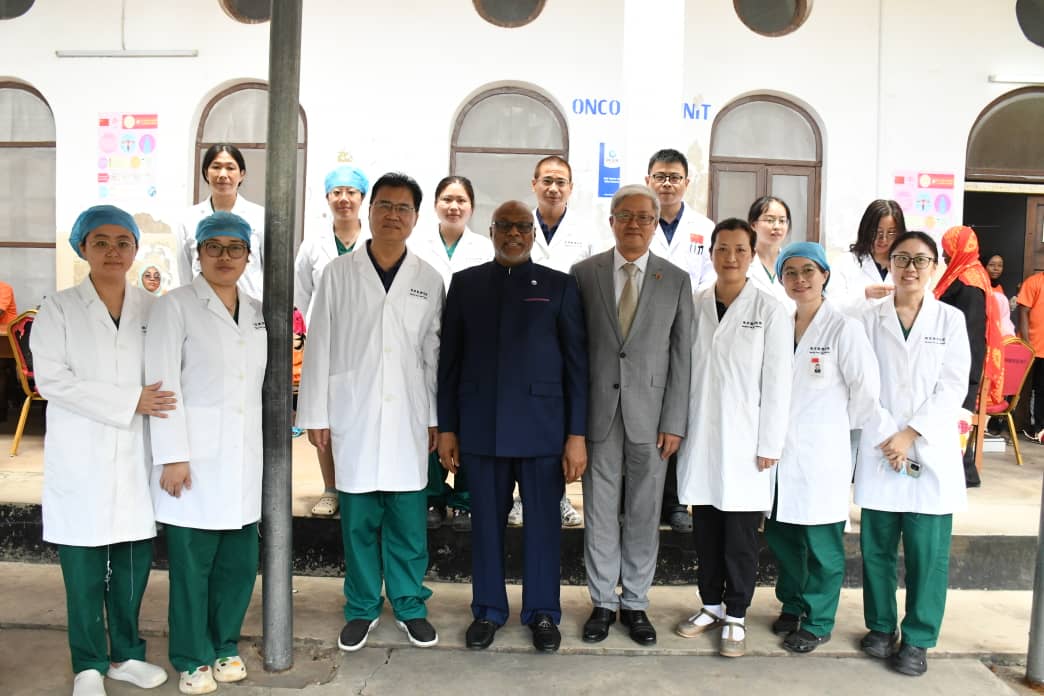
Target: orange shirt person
[(1031, 329), (8, 310)]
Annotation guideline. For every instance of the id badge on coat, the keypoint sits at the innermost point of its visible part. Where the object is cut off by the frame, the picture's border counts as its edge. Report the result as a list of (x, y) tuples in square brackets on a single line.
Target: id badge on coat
[(815, 367)]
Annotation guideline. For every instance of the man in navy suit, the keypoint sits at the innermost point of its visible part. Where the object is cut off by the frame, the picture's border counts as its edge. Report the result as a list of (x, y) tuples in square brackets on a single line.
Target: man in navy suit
[(512, 401)]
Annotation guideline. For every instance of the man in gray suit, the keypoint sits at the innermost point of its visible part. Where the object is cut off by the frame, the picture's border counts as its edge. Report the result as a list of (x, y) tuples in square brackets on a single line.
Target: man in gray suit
[(639, 312)]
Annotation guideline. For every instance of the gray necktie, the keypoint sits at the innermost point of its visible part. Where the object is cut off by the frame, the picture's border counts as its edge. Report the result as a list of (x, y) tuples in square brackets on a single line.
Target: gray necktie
[(628, 300)]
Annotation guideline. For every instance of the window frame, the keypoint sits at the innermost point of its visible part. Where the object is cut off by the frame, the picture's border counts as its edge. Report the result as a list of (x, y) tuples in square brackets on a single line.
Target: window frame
[(997, 173), (764, 168), (12, 144), (485, 15), (201, 145), (802, 11), (495, 92)]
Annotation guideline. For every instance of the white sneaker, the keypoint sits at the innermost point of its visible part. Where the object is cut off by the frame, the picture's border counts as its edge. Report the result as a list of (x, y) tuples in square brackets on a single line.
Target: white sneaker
[(141, 674), (89, 682), (570, 517), (229, 669), (197, 681), (515, 516)]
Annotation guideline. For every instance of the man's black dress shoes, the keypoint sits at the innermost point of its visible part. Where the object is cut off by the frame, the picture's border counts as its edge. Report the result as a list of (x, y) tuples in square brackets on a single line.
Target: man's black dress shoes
[(480, 634), (639, 627), (546, 637), (597, 627)]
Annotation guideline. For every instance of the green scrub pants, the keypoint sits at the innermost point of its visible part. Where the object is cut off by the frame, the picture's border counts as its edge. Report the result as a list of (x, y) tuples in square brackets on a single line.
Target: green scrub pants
[(385, 536), (212, 574), (105, 584), (441, 494), (926, 551), (811, 562)]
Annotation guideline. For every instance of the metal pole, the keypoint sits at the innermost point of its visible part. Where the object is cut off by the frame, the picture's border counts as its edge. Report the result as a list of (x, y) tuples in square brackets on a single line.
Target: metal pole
[(1035, 654), (284, 77)]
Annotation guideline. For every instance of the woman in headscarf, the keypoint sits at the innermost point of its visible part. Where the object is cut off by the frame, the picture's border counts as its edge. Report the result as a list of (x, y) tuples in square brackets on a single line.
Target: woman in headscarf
[(208, 342), (88, 351), (151, 280), (966, 285)]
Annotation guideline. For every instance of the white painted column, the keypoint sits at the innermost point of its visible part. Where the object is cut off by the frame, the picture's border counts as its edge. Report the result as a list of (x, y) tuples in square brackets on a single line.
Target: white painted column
[(652, 70)]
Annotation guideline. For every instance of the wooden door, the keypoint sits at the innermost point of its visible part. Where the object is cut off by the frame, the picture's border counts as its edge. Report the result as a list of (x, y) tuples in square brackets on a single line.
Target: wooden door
[(1034, 258)]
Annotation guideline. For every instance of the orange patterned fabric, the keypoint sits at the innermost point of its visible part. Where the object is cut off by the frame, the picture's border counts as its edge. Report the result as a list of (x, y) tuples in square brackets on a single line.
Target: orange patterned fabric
[(962, 247)]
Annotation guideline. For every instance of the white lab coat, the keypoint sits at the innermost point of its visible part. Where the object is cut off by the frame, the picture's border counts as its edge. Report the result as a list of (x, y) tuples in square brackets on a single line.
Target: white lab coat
[(370, 369), (836, 388), (96, 485), (216, 368), (571, 243), (739, 398), (924, 380), (773, 286), (848, 280), (472, 250), (317, 249), (253, 278), (689, 249)]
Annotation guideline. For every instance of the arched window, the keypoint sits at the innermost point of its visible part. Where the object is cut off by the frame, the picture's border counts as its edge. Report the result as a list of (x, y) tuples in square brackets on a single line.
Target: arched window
[(239, 116), (1007, 141), (763, 145), (498, 138), (27, 193)]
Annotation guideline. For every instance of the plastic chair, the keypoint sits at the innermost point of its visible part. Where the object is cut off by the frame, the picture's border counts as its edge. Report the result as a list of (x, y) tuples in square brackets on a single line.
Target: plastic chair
[(18, 334), (1018, 360)]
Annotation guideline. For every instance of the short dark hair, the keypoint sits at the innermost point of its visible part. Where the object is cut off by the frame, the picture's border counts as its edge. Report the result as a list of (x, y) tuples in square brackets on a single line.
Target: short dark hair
[(398, 180), (758, 208), (668, 156), (216, 149), (920, 236), (462, 180), (552, 158), (881, 208), (734, 224)]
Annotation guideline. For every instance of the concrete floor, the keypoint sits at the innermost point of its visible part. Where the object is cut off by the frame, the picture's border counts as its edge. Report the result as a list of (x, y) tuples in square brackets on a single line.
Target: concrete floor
[(979, 625)]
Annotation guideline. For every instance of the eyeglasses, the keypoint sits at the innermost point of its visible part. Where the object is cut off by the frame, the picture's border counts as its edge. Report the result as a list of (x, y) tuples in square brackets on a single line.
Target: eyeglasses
[(505, 226), (886, 236), (344, 192), (400, 209), (123, 246), (920, 262), (550, 181), (673, 178), (643, 219), (215, 250), (805, 272), (773, 221)]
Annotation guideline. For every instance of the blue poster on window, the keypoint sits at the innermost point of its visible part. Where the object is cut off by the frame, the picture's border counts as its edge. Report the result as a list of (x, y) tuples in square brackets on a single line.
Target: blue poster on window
[(608, 171)]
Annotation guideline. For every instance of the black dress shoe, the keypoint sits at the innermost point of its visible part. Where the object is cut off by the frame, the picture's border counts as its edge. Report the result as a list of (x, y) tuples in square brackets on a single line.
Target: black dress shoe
[(480, 634), (546, 637), (878, 644), (640, 628), (596, 629), (910, 660), (786, 624), (802, 641)]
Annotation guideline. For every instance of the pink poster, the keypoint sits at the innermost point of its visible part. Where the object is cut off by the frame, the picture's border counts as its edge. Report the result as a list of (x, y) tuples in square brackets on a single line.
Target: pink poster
[(926, 199), (127, 143)]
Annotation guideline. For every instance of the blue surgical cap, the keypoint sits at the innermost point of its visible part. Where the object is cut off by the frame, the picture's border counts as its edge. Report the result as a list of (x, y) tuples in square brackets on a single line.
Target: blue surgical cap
[(347, 176), (805, 250), (96, 216), (223, 224)]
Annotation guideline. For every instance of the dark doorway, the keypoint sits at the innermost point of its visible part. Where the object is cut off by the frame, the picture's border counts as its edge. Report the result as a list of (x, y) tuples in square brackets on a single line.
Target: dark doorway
[(999, 220)]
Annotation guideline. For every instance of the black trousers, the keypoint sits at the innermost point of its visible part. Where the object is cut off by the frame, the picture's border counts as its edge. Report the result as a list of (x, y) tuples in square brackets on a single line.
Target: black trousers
[(1038, 394), (670, 490), (727, 551)]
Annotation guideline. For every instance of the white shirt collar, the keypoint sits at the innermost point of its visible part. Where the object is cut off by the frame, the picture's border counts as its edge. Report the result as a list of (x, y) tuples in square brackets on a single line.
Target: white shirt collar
[(619, 260)]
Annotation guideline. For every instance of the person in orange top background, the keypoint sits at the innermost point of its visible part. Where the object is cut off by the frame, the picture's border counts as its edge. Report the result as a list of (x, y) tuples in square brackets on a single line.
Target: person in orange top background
[(1031, 329), (8, 310), (966, 285)]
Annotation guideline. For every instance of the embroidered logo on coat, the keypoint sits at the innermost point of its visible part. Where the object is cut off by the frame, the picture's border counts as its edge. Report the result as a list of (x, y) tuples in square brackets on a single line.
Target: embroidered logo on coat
[(752, 324), (820, 350), (259, 325), (935, 340), (422, 294)]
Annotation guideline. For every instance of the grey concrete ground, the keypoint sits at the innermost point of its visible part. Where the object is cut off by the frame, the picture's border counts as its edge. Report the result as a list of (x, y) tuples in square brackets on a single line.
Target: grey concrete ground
[(979, 625)]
